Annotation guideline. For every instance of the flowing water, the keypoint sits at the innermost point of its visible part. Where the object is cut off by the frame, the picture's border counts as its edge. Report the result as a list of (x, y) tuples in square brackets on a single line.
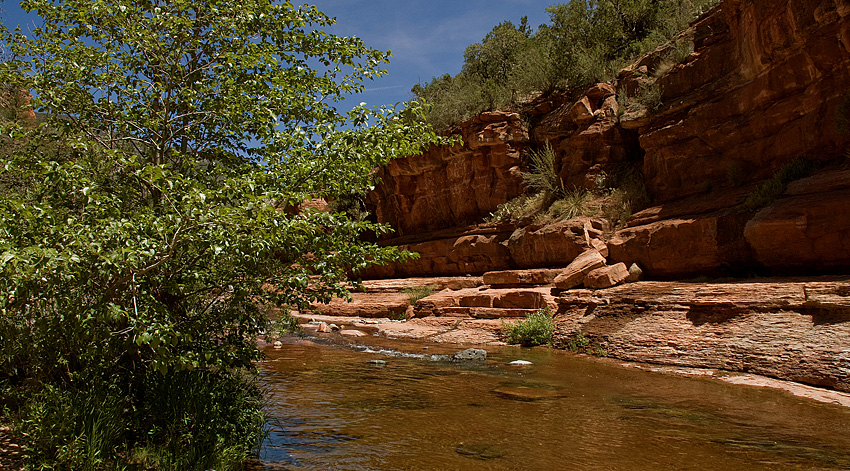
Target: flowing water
[(336, 407)]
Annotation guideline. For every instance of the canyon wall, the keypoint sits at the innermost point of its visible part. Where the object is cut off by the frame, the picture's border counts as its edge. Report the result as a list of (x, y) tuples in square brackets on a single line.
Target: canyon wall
[(766, 83), (742, 145)]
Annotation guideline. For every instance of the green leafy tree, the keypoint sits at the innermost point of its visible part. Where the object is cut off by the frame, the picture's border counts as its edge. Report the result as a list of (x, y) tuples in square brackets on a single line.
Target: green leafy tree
[(146, 219)]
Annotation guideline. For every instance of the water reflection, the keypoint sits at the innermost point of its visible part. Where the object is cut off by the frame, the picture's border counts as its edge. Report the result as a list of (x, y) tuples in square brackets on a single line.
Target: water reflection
[(334, 409)]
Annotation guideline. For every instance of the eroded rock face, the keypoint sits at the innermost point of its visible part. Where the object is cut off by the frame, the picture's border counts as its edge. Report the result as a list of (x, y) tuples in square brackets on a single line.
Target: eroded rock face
[(798, 331), (763, 87), (551, 245), (453, 186), (488, 248), (766, 83), (810, 226)]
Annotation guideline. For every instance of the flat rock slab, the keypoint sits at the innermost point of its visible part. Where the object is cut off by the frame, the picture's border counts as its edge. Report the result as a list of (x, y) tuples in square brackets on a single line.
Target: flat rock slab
[(792, 330), (446, 330), (397, 285), (533, 277), (370, 305)]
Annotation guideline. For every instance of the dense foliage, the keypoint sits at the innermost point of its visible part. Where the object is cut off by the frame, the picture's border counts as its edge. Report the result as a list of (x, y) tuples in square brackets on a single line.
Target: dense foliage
[(538, 328), (587, 41), (151, 214)]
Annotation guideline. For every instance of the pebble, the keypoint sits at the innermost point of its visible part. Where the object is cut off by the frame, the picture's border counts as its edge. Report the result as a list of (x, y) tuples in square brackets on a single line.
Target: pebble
[(278, 344)]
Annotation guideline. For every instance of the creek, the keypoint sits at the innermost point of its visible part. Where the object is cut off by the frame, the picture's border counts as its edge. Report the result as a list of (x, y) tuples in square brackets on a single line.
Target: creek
[(387, 405)]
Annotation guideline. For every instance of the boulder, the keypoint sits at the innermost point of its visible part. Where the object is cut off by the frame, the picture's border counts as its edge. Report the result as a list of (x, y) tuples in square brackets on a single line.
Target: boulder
[(555, 244), (323, 327), (470, 354), (803, 233), (635, 273), (353, 333), (606, 277), (575, 272)]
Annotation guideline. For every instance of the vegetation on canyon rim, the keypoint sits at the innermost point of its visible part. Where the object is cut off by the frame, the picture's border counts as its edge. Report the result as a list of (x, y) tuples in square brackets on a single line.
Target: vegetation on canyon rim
[(147, 211), (614, 198), (587, 41)]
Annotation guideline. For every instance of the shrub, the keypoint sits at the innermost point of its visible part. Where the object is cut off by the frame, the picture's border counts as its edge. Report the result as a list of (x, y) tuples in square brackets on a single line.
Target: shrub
[(773, 187), (578, 342), (537, 328), (143, 221), (542, 176)]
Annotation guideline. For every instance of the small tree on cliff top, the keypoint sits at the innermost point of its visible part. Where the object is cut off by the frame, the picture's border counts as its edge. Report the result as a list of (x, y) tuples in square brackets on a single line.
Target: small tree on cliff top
[(142, 224)]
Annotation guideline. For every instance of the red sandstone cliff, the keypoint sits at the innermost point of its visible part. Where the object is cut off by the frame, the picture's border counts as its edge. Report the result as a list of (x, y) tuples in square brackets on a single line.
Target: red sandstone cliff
[(765, 84)]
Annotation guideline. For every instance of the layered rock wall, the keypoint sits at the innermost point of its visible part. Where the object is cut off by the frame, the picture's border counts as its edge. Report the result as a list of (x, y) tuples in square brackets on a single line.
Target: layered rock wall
[(453, 186), (763, 86), (797, 331), (766, 83)]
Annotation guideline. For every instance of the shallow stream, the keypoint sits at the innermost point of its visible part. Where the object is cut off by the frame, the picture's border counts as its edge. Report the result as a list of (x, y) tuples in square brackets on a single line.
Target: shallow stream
[(338, 407)]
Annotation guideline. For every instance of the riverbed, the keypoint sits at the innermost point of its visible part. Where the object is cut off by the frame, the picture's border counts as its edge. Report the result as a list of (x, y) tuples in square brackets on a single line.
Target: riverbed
[(379, 404)]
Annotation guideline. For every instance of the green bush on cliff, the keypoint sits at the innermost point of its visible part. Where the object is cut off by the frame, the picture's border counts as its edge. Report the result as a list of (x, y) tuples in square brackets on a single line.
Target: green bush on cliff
[(538, 328), (772, 188), (586, 41)]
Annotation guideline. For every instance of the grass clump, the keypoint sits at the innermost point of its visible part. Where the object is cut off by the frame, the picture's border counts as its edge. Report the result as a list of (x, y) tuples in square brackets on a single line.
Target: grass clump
[(188, 420), (518, 208), (538, 328), (773, 187), (416, 293), (543, 177), (575, 203), (578, 342)]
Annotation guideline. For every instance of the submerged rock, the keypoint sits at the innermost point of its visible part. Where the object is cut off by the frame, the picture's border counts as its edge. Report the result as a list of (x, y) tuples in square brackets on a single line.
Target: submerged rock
[(480, 451), (470, 354), (528, 394)]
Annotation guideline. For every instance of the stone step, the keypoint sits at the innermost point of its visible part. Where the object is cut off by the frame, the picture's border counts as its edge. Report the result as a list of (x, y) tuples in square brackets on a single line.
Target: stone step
[(533, 277), (461, 302), (481, 312)]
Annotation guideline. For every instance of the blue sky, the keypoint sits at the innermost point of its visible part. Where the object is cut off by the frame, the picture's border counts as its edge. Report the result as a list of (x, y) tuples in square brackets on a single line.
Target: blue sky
[(427, 37)]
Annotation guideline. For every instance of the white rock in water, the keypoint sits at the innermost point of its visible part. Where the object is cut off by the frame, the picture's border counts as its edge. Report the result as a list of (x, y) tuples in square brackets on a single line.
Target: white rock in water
[(278, 344), (520, 363)]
